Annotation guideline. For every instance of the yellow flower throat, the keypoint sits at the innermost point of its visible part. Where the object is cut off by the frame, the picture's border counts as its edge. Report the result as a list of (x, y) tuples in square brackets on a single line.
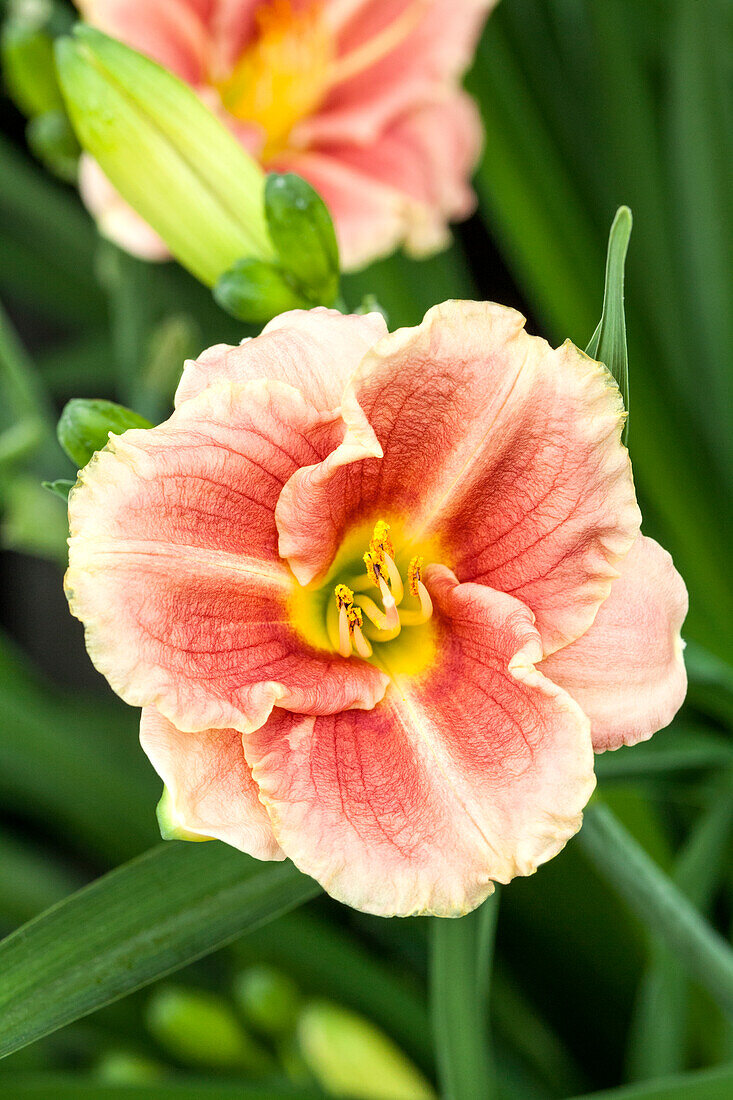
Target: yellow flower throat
[(364, 612), (292, 62), (282, 77)]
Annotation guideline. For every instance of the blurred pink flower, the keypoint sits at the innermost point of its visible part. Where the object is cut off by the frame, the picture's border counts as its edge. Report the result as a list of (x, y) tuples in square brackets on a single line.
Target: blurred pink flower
[(361, 97), (362, 585)]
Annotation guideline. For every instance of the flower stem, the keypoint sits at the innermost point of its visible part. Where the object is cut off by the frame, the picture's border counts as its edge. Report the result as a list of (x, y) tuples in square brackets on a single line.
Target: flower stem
[(656, 901), (460, 974)]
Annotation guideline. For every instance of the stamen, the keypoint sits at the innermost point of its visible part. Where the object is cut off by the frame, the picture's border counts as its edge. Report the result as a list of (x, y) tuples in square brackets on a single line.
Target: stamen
[(395, 580), (344, 595), (392, 615), (382, 550), (373, 613), (361, 645), (417, 589), (414, 574), (371, 562), (381, 542), (344, 646), (345, 603)]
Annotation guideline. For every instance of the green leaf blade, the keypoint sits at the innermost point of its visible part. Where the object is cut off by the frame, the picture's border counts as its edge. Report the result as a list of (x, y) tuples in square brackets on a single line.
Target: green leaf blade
[(460, 968), (172, 905), (608, 343)]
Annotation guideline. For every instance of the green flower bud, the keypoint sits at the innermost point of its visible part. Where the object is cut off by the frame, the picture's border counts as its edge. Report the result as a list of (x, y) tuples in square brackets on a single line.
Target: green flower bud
[(173, 161), (29, 72), (124, 1067), (53, 141), (200, 1029), (269, 1000), (350, 1057), (303, 235), (255, 291), (85, 425)]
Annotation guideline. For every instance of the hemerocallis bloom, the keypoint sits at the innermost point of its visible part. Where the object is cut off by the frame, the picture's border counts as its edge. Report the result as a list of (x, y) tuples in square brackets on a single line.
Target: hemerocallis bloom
[(379, 597), (361, 97)]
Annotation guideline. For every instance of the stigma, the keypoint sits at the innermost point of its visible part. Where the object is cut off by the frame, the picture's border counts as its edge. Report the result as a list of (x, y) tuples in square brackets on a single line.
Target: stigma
[(384, 615)]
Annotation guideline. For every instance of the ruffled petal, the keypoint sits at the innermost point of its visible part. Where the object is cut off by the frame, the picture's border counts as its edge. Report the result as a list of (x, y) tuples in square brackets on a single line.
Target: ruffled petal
[(475, 772), (174, 570), (115, 218), (371, 219), (172, 32), (627, 671), (392, 56), (210, 784), (504, 451), (316, 351), (403, 188)]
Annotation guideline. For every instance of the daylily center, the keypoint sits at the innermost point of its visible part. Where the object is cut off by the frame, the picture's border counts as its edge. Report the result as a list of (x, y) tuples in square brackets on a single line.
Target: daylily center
[(292, 62), (373, 604), (283, 74), (368, 609)]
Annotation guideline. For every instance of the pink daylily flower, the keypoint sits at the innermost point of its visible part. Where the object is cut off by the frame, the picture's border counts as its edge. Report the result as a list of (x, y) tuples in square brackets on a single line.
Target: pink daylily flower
[(361, 97), (379, 597)]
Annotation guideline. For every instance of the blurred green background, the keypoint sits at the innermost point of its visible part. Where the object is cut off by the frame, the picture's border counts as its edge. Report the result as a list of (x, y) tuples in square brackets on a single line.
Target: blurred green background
[(587, 104)]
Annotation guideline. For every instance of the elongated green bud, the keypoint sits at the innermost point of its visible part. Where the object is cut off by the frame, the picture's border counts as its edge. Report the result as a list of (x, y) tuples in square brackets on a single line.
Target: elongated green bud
[(201, 1029), (269, 1000), (350, 1057), (125, 1067), (84, 426), (29, 73), (172, 160)]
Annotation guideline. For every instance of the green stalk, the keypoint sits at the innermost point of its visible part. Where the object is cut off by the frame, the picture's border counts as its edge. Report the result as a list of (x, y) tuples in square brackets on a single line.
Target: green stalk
[(460, 970), (659, 1031), (658, 903)]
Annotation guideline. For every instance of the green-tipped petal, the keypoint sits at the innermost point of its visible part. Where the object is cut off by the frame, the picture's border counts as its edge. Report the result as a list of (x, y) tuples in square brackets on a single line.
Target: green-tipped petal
[(165, 152), (169, 824)]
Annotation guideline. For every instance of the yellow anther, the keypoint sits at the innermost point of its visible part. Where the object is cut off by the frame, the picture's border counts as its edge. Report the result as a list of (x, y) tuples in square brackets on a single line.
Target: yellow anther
[(372, 563), (354, 617), (381, 542), (344, 596), (414, 575)]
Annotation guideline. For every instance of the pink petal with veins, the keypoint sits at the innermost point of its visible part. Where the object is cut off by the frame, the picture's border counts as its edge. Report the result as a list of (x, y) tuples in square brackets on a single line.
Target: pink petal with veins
[(173, 564), (210, 784), (507, 452), (474, 772), (316, 351), (627, 671)]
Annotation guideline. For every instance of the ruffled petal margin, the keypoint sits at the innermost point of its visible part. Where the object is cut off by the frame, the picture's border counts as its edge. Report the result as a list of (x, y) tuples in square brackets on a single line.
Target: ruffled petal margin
[(474, 773), (627, 671), (174, 570), (506, 452), (209, 784), (316, 351)]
